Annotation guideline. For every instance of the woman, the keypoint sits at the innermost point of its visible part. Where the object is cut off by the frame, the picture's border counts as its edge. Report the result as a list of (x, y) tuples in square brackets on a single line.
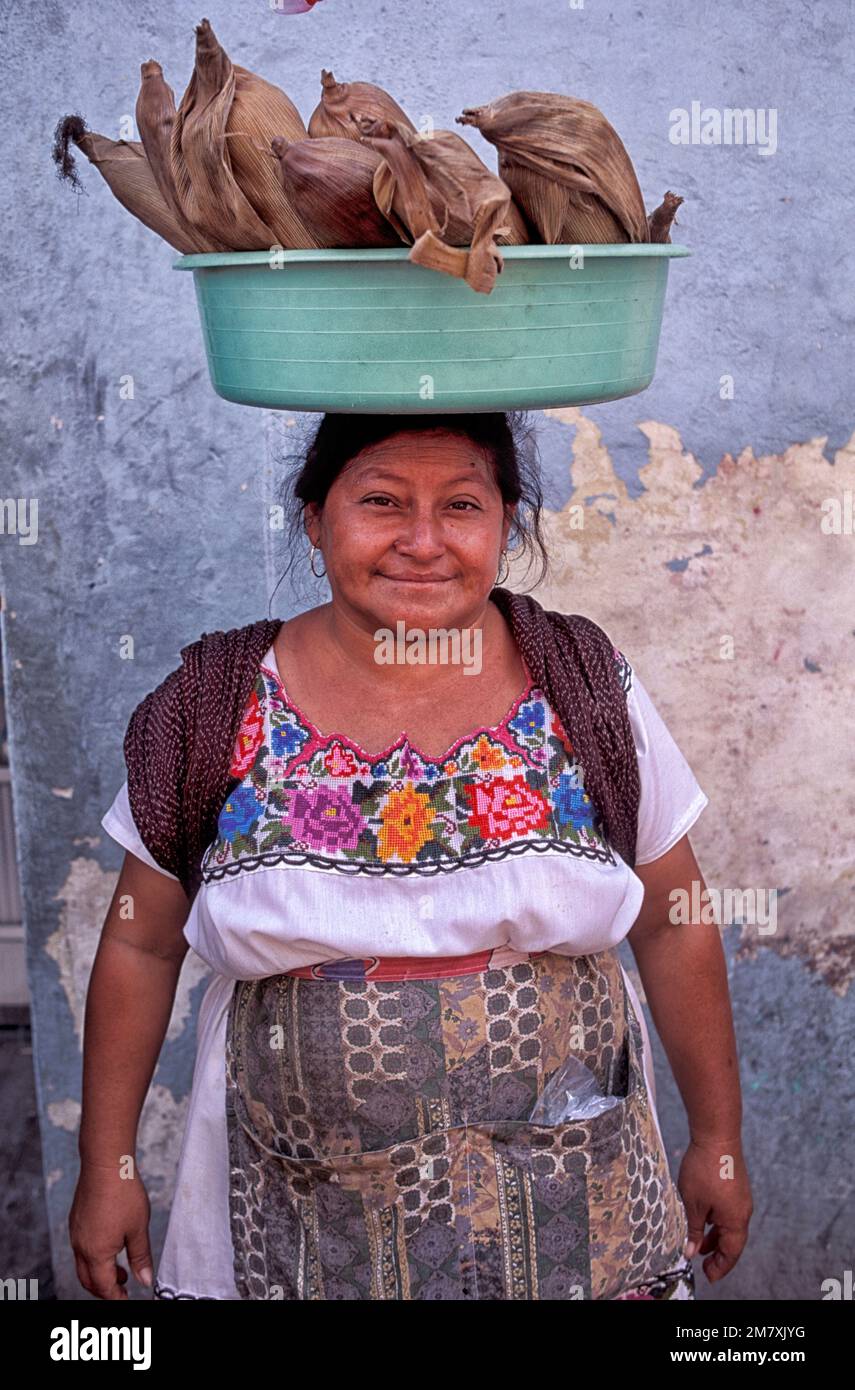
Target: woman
[(412, 910)]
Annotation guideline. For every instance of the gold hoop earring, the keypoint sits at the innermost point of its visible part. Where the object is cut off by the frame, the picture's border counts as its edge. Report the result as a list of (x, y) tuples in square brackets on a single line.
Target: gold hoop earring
[(500, 578), (312, 565)]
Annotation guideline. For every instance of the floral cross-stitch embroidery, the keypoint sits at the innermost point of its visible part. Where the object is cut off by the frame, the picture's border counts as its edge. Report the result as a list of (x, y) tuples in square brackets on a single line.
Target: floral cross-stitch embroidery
[(312, 797), (506, 806), (325, 818), (406, 817)]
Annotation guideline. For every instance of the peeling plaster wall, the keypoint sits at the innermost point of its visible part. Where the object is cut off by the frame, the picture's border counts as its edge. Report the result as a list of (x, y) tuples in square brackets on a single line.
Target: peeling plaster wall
[(700, 515), (733, 602)]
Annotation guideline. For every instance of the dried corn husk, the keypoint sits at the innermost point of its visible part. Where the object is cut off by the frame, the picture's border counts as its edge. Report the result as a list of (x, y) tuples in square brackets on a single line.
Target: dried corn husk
[(341, 101), (659, 222), (566, 167), (441, 196), (155, 115), (261, 110), (125, 169), (246, 217), (455, 178), (331, 184)]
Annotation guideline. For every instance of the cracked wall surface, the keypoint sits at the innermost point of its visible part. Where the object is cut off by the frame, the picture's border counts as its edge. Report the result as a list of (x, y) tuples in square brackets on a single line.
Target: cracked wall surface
[(733, 595), (699, 517)]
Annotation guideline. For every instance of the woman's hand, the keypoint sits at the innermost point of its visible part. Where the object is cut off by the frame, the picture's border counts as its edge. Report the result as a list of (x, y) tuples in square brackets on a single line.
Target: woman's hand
[(109, 1213), (723, 1201)]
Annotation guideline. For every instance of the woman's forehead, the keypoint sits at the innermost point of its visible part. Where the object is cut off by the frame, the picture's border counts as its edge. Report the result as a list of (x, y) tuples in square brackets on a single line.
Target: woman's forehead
[(406, 454)]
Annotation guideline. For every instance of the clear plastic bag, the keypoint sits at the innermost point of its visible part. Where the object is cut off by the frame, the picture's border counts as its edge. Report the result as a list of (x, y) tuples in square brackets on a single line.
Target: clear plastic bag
[(571, 1093)]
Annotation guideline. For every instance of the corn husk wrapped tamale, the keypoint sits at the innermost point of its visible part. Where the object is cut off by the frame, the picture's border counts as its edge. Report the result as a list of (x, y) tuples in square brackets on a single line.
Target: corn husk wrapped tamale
[(566, 167), (261, 110), (341, 101), (659, 222), (155, 116), (125, 169), (330, 182), (233, 195), (442, 197), (455, 178)]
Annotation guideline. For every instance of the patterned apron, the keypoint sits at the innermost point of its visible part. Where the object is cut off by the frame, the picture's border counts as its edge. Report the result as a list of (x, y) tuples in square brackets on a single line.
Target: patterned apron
[(380, 1145)]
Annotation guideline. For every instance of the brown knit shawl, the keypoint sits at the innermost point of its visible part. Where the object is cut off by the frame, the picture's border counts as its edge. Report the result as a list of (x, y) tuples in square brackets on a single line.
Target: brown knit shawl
[(180, 738)]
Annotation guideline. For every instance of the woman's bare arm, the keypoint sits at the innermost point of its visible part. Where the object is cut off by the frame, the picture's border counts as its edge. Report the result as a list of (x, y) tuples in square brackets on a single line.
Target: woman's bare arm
[(684, 973), (128, 1004), (684, 976)]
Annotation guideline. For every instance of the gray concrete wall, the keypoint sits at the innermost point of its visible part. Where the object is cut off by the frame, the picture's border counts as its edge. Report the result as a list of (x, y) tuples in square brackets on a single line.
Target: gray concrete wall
[(152, 509)]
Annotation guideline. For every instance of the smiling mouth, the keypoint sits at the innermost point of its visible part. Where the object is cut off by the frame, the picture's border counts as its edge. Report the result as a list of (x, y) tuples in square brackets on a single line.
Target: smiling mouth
[(416, 578)]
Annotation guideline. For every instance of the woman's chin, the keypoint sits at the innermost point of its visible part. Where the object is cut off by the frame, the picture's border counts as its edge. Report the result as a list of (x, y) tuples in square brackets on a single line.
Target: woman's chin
[(421, 604)]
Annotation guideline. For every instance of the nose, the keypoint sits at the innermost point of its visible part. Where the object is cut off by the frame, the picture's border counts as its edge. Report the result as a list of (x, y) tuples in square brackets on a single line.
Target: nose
[(420, 536)]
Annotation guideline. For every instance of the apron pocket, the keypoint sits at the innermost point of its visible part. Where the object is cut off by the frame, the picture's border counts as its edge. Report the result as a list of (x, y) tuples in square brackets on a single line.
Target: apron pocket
[(495, 1210)]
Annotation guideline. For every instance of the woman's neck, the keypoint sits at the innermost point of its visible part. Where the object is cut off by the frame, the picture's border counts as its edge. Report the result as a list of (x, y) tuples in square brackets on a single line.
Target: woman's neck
[(347, 647)]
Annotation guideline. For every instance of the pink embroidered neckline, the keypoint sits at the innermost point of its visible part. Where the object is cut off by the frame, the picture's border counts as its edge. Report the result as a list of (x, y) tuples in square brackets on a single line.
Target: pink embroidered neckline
[(402, 741)]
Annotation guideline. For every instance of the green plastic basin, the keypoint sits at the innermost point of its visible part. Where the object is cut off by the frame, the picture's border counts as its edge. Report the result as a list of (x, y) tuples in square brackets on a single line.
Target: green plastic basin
[(367, 331)]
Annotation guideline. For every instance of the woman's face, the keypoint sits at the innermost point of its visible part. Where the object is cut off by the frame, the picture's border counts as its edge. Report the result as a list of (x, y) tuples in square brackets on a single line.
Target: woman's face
[(413, 529)]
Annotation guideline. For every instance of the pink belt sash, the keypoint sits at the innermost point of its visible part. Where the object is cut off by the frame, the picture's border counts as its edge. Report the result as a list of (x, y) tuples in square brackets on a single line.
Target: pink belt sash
[(413, 967)]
